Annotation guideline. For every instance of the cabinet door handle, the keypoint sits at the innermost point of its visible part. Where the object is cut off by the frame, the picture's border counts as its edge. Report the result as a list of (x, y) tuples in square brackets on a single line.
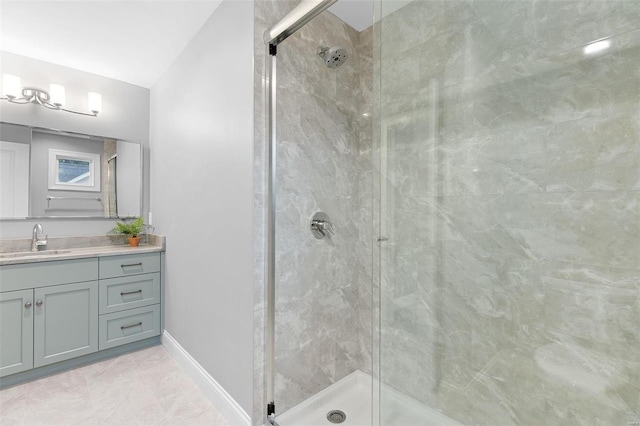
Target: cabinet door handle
[(125, 293), (27, 305), (39, 303), (126, 265), (130, 326)]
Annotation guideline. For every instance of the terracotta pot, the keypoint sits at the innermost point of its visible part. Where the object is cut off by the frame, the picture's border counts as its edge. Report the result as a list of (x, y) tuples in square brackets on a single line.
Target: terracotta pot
[(134, 241)]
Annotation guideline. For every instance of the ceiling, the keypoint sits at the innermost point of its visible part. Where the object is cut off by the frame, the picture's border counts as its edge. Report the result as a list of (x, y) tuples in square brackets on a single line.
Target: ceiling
[(360, 13), (357, 13), (132, 41)]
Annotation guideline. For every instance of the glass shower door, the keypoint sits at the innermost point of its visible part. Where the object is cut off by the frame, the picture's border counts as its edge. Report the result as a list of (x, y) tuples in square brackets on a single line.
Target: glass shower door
[(510, 186), (323, 225)]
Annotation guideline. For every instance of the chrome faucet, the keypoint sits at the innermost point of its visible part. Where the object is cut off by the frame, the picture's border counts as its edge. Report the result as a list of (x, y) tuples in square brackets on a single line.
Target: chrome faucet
[(37, 243)]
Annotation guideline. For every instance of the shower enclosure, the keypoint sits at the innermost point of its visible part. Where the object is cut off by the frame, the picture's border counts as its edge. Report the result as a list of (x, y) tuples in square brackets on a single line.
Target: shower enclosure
[(476, 261)]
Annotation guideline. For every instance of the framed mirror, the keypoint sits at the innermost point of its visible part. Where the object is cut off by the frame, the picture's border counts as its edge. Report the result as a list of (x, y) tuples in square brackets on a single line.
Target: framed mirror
[(46, 173)]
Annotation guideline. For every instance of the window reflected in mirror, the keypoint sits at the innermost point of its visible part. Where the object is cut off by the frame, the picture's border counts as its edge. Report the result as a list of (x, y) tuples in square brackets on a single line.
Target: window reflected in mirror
[(46, 173), (74, 170)]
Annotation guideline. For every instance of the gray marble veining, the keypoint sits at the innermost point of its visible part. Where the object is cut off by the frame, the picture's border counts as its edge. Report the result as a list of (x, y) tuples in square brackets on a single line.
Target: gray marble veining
[(509, 287)]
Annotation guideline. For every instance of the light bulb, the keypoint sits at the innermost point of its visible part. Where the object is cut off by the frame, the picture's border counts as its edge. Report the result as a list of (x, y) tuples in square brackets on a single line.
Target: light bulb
[(95, 102), (10, 86), (56, 91)]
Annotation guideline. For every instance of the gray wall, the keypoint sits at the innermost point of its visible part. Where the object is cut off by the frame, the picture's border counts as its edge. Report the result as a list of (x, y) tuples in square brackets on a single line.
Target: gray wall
[(201, 196), (125, 107), (125, 116)]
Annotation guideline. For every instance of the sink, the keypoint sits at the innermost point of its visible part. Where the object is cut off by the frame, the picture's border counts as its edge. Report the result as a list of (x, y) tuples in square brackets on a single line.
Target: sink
[(32, 253)]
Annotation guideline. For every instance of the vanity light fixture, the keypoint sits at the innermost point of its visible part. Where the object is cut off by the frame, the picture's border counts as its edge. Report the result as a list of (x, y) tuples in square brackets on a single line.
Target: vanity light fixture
[(53, 99)]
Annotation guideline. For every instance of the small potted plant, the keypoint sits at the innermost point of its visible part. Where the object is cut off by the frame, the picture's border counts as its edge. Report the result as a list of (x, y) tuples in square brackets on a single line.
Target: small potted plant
[(131, 230)]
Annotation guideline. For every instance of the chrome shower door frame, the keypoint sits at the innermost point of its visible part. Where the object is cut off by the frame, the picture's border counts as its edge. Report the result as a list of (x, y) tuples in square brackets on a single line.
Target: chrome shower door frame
[(292, 22)]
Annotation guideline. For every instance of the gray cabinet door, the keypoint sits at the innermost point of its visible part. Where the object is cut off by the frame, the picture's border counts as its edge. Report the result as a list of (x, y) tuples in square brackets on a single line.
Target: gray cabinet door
[(16, 331), (66, 322)]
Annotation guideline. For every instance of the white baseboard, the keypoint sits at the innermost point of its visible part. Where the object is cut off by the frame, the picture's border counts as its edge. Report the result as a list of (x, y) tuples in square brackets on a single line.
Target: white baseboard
[(227, 406)]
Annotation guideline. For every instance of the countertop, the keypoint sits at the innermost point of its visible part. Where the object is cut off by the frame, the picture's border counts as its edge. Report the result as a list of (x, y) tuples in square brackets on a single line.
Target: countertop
[(75, 253)]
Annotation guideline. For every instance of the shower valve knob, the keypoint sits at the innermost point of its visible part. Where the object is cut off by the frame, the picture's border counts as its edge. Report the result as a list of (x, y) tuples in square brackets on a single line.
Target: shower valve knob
[(321, 227)]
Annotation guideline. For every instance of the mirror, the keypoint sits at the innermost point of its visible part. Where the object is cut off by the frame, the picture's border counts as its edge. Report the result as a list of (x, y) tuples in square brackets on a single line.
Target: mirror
[(46, 173)]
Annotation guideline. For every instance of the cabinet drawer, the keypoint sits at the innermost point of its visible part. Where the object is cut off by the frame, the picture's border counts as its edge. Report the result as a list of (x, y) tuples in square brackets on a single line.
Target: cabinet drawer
[(41, 274), (117, 294), (130, 264), (129, 326)]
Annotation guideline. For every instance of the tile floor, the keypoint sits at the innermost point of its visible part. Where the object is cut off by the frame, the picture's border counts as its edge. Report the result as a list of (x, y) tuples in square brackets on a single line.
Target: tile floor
[(142, 388)]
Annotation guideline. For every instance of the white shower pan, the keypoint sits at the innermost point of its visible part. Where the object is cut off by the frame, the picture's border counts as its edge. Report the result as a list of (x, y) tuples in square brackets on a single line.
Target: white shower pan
[(352, 395)]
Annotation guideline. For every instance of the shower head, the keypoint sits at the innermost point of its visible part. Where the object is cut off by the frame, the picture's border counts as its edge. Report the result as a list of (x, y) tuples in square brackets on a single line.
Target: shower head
[(333, 57)]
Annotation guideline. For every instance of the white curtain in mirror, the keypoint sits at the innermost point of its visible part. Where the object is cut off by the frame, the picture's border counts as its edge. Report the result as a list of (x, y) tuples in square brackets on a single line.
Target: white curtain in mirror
[(14, 179), (128, 179)]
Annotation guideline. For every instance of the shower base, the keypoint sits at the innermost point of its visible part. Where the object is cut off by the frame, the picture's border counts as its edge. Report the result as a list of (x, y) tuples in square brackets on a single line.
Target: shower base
[(352, 395)]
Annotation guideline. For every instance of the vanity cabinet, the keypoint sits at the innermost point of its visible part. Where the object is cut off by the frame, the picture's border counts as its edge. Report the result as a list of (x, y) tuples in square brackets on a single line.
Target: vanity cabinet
[(55, 311), (50, 313)]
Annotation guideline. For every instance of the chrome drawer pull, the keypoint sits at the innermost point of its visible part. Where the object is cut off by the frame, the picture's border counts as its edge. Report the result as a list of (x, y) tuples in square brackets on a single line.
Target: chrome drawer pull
[(130, 326), (131, 264), (126, 293)]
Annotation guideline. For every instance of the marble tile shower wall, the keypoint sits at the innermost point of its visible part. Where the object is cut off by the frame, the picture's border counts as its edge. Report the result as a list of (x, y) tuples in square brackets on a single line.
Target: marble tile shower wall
[(511, 280), (323, 325)]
